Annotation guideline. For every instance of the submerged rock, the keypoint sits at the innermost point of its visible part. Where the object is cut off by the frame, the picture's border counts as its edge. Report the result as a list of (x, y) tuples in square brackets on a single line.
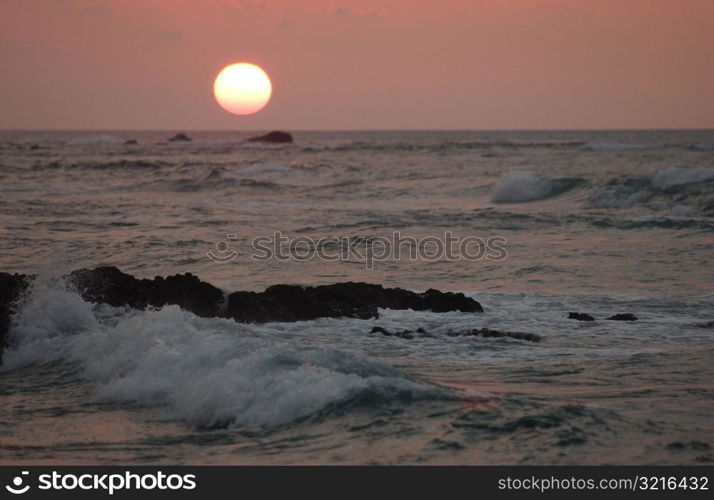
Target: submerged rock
[(404, 334), (275, 137), (623, 317), (476, 332), (11, 287), (580, 316), (180, 138)]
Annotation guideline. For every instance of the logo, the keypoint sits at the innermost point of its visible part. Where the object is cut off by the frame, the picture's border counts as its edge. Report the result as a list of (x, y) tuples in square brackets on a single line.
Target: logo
[(223, 251), (17, 483)]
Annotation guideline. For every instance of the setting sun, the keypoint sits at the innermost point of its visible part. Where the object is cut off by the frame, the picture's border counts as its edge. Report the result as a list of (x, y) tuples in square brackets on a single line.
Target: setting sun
[(242, 88)]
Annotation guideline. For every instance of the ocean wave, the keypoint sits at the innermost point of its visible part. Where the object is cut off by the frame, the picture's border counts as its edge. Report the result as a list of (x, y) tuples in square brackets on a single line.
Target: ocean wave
[(206, 372), (276, 168), (94, 165), (95, 140), (520, 187), (675, 176), (682, 190), (443, 146), (614, 147)]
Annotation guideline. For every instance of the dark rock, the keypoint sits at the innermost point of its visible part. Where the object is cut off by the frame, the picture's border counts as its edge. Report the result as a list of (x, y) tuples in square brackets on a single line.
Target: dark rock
[(275, 137), (108, 285), (351, 300), (708, 324), (580, 316), (11, 288), (476, 332), (132, 142), (691, 445), (404, 334), (383, 331), (623, 317), (180, 138)]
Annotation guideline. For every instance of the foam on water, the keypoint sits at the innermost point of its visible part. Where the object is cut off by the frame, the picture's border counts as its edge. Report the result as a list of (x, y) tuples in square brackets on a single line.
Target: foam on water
[(207, 372)]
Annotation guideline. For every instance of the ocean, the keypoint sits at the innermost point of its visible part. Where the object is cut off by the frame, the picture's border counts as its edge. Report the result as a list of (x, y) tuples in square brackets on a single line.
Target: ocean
[(598, 222)]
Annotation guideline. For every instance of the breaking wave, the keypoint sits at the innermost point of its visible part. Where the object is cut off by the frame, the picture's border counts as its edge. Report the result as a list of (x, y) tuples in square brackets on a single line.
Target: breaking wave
[(520, 187), (210, 372)]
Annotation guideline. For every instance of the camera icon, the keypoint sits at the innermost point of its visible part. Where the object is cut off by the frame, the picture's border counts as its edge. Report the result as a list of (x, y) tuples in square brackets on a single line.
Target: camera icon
[(223, 252), (16, 487)]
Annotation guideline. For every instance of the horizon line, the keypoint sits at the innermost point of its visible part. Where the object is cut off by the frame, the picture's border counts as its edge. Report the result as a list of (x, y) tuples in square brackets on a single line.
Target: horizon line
[(624, 129)]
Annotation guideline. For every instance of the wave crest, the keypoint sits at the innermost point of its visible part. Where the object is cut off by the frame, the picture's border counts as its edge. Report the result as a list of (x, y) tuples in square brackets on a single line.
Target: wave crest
[(521, 187)]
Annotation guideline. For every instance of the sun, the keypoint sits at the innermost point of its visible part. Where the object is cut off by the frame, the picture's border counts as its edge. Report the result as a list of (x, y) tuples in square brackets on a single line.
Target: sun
[(242, 88)]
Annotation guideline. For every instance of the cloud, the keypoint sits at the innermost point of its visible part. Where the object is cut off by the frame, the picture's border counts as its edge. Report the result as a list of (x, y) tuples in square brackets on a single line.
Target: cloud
[(358, 13)]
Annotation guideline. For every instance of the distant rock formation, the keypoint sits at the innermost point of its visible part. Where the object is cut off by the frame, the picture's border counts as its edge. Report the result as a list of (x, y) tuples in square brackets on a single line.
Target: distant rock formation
[(180, 138), (131, 142), (580, 316), (623, 317), (275, 137)]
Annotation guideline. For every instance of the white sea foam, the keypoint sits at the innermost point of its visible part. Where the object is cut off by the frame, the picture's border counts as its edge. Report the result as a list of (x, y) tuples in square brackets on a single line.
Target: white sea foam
[(207, 371)]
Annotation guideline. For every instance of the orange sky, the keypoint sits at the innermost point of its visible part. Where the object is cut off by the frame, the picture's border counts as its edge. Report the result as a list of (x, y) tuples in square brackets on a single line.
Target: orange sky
[(348, 64)]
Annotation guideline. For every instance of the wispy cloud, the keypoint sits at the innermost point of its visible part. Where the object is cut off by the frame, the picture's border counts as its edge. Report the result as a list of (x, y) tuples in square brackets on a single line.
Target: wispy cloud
[(357, 13)]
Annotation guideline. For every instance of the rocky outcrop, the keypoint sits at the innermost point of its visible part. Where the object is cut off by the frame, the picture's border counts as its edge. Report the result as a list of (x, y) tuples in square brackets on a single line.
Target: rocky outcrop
[(617, 317), (11, 288), (180, 138), (351, 300), (580, 316), (476, 332), (108, 285), (623, 317), (275, 137)]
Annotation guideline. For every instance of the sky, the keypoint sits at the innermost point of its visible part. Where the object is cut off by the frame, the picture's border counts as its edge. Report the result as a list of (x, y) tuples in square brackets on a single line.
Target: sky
[(370, 64)]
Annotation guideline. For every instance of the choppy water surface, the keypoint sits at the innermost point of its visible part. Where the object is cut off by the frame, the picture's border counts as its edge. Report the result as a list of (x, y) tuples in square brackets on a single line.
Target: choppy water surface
[(599, 222)]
